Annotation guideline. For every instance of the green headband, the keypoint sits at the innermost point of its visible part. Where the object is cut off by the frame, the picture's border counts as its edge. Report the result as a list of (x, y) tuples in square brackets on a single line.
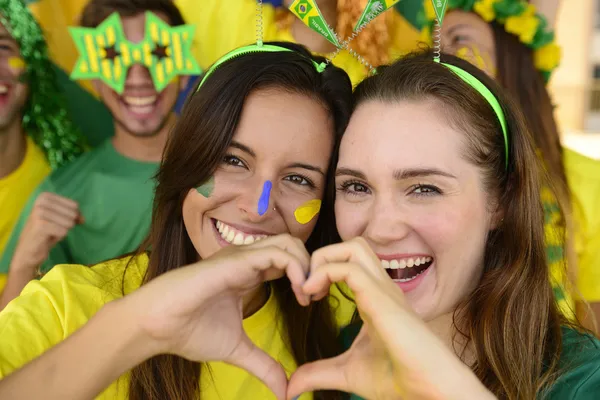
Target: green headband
[(253, 48), (489, 97)]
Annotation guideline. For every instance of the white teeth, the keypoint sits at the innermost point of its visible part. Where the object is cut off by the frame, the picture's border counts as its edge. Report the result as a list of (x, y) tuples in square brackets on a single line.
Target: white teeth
[(405, 263), (230, 236), (239, 239), (139, 101), (3, 89), (233, 236)]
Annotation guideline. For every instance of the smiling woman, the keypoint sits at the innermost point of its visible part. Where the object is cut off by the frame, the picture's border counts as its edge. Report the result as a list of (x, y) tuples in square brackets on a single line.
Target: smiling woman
[(222, 269), (438, 177)]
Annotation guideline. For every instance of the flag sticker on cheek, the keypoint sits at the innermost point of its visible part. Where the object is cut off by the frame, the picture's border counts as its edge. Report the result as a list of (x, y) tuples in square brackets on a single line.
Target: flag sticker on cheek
[(307, 211), (263, 202), (207, 187)]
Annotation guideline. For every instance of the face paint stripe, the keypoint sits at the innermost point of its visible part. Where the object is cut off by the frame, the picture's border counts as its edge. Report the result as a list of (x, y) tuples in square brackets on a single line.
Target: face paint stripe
[(110, 36), (118, 68), (263, 202), (307, 211), (207, 187)]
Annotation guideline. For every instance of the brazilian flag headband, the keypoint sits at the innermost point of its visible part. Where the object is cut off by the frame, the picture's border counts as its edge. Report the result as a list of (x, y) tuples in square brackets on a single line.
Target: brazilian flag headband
[(106, 54), (439, 7), (310, 14), (45, 117)]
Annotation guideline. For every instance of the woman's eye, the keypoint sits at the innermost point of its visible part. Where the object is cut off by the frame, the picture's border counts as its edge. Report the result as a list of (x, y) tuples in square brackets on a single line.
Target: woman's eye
[(425, 190), (353, 188), (299, 180), (234, 161)]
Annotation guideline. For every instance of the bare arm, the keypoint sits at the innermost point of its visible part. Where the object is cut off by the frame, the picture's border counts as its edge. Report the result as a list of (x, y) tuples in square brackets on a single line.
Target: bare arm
[(82, 366), (16, 281)]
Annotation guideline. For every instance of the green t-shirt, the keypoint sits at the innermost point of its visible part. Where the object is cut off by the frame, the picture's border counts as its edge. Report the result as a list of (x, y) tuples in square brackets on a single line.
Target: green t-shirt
[(115, 197), (580, 360)]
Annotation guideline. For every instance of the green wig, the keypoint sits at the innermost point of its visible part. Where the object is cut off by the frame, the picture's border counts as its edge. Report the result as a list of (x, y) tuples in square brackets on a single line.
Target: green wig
[(45, 116)]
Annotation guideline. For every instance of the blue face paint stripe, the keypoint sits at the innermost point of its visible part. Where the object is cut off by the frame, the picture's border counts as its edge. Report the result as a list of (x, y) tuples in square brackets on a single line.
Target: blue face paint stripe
[(263, 202)]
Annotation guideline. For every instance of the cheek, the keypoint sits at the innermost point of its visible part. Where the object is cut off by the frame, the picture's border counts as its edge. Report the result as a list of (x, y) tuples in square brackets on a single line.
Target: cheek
[(349, 219)]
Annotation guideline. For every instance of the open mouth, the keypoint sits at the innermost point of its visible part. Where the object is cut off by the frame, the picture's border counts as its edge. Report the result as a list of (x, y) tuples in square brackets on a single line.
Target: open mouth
[(406, 269), (141, 105), (235, 236), (4, 91)]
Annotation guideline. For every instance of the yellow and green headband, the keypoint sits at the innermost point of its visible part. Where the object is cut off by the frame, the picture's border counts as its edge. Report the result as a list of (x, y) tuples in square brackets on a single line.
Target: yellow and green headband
[(106, 54), (519, 18)]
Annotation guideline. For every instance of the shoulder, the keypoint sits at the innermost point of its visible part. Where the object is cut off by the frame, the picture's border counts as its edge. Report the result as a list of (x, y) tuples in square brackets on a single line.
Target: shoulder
[(81, 164), (580, 366), (49, 310)]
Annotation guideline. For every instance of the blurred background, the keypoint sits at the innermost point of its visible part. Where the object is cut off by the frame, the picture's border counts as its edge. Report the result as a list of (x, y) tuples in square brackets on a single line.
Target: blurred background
[(575, 85)]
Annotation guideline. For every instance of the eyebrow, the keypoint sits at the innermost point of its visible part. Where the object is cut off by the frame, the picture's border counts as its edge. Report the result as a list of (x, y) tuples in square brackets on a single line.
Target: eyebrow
[(350, 172), (401, 174), (398, 174), (6, 36), (308, 167), (457, 27), (243, 148)]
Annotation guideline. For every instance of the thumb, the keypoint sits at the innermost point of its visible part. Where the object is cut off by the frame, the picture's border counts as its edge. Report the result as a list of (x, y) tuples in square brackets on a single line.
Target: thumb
[(258, 363), (325, 374)]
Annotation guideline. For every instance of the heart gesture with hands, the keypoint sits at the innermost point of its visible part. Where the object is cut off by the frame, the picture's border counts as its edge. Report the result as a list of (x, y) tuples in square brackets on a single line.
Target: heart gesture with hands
[(196, 312), (395, 355)]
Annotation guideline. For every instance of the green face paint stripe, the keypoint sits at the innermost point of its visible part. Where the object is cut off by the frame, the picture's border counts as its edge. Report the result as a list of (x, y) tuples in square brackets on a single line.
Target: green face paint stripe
[(207, 187)]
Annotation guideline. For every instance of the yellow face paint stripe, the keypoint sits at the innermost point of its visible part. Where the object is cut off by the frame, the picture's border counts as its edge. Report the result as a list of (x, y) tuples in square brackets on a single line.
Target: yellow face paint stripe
[(307, 211), (91, 50)]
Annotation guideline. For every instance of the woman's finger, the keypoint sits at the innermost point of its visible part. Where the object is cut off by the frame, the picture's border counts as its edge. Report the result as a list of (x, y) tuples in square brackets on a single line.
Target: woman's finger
[(356, 250), (254, 360), (325, 374), (287, 243)]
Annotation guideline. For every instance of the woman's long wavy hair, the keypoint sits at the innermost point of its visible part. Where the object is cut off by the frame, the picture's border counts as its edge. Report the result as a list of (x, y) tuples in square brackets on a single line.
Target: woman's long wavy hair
[(510, 321), (195, 148)]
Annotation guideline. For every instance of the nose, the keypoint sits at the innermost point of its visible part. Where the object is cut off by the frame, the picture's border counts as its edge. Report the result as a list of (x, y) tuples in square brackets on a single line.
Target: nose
[(138, 75), (256, 203), (387, 222)]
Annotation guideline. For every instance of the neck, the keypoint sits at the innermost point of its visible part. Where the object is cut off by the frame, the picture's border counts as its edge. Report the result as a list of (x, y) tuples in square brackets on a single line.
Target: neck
[(12, 148), (253, 301), (146, 149)]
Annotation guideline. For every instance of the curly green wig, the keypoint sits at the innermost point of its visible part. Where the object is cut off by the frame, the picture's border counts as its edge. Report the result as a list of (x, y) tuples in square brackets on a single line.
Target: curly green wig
[(45, 116)]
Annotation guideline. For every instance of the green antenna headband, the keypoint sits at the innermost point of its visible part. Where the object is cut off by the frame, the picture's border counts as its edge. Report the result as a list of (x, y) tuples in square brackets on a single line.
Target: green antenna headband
[(253, 48), (440, 10)]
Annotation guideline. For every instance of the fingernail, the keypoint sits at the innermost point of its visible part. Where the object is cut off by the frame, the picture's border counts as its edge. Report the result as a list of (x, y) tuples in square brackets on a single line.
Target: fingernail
[(296, 398)]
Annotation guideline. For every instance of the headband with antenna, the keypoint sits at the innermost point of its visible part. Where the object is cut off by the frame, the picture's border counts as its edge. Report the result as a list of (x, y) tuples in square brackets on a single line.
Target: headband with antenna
[(440, 7), (310, 14), (258, 47)]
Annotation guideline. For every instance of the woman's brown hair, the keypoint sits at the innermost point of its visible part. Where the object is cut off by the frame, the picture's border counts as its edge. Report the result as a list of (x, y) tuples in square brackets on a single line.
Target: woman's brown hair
[(517, 74), (510, 321), (195, 149)]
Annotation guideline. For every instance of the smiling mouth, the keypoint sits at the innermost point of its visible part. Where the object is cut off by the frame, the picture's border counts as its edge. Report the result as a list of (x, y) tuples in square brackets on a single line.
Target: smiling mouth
[(235, 236), (140, 104), (406, 269)]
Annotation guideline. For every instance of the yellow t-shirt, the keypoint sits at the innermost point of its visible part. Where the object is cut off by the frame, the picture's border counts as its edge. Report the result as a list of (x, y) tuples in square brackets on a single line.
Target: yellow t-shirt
[(15, 190), (583, 176), (51, 309), (222, 26)]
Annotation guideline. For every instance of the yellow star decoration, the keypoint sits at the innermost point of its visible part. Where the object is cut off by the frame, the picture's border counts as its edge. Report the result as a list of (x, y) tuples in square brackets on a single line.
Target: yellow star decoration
[(485, 9), (547, 57), (524, 26)]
